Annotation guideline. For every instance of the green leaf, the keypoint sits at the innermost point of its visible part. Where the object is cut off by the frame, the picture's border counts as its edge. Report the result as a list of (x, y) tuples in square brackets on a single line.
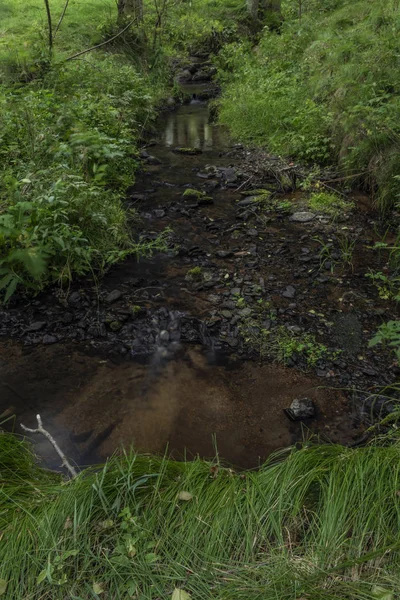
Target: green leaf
[(41, 577), (3, 586), (185, 496), (179, 594), (97, 588), (11, 289), (151, 558)]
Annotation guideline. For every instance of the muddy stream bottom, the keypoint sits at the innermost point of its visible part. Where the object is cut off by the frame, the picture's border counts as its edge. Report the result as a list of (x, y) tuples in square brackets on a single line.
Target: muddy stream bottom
[(189, 405)]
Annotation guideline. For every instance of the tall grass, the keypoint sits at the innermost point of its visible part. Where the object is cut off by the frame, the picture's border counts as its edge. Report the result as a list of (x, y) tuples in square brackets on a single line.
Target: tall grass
[(324, 90), (316, 522)]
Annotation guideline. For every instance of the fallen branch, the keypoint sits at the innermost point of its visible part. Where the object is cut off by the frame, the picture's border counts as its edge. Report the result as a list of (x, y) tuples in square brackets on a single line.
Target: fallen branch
[(53, 442), (100, 45)]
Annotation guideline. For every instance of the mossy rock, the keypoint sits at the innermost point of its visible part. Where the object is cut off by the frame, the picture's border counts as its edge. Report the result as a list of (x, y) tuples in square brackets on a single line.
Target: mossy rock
[(257, 192), (189, 151), (192, 194)]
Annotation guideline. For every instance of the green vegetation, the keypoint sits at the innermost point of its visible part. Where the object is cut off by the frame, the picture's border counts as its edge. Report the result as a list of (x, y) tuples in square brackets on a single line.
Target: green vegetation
[(329, 204), (388, 333), (196, 273), (317, 522), (324, 89), (70, 131)]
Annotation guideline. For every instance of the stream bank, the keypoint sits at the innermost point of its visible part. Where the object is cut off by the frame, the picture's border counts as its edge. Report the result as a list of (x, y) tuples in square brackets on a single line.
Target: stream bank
[(169, 350)]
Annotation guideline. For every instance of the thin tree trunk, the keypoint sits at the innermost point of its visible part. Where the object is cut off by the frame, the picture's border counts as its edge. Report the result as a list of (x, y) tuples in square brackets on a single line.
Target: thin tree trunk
[(49, 24)]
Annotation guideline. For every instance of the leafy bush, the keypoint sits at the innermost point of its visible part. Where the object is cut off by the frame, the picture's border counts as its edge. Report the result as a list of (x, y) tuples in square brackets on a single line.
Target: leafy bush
[(68, 152)]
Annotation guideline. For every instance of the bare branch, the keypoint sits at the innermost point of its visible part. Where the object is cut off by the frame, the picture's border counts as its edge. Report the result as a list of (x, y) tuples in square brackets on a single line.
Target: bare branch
[(102, 44), (61, 18), (64, 459)]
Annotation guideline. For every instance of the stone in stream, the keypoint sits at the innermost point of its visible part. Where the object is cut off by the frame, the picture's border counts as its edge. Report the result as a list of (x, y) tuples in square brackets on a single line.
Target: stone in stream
[(301, 408), (49, 339), (290, 292), (302, 217), (113, 296), (37, 326)]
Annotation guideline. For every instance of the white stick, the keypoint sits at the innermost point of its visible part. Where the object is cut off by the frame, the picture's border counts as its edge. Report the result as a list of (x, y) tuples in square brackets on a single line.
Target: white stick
[(53, 442)]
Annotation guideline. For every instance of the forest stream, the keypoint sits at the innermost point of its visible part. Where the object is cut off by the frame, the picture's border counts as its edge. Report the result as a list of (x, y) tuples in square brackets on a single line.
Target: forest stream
[(165, 351)]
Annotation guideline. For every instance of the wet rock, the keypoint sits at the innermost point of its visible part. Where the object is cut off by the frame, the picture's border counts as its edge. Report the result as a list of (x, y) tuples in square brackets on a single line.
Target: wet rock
[(164, 336), (159, 213), (139, 197), (224, 253), (189, 151), (37, 326), (113, 296), (74, 298), (302, 217), (49, 339), (301, 408), (290, 292), (229, 175), (184, 76), (202, 75), (248, 201), (204, 175)]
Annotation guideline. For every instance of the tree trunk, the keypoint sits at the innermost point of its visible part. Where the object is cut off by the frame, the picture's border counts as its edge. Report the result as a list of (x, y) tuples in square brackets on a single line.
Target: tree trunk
[(252, 7), (132, 8), (256, 6)]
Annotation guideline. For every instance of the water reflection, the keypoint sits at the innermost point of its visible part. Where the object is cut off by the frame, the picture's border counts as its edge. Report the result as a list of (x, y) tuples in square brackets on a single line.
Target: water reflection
[(189, 127)]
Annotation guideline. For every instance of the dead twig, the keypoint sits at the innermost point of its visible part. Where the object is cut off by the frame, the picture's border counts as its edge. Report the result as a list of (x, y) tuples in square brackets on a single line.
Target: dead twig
[(43, 431), (100, 45)]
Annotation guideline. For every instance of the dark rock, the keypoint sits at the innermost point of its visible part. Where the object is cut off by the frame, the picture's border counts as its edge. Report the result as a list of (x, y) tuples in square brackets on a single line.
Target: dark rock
[(159, 213), (227, 314), (37, 326), (290, 292), (224, 253), (49, 339), (301, 408), (113, 296), (74, 298), (184, 75), (67, 318)]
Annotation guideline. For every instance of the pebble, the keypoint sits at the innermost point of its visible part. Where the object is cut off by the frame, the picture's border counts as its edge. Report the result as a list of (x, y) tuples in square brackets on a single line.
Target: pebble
[(37, 326), (290, 292), (302, 217), (113, 296), (49, 339)]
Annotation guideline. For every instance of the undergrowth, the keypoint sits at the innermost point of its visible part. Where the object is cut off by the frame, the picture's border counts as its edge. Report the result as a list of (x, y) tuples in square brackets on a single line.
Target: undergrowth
[(69, 131), (324, 89), (317, 522)]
